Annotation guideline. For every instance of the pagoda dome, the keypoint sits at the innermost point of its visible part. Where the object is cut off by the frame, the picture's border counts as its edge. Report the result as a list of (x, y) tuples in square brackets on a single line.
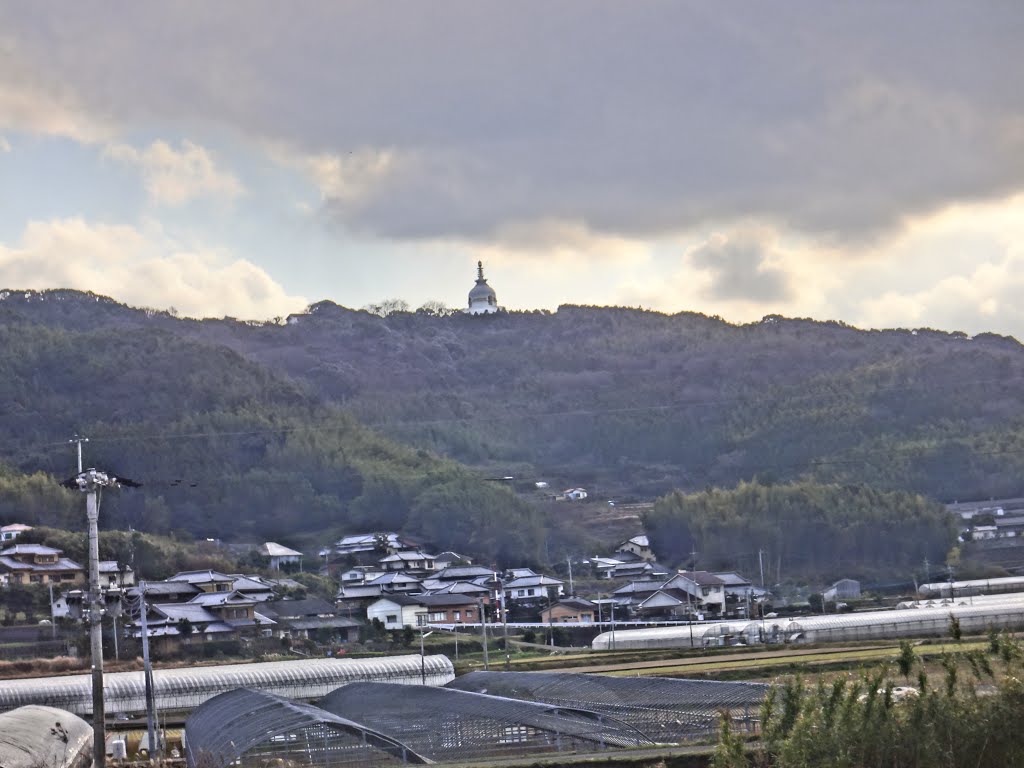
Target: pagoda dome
[(482, 298)]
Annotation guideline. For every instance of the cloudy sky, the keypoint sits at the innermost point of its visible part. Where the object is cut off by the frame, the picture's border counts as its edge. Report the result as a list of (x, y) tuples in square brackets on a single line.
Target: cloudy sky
[(857, 161)]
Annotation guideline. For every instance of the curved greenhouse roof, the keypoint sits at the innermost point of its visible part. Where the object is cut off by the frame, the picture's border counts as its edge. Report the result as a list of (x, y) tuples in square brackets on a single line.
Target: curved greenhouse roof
[(452, 725), (188, 687), (249, 728), (36, 736), (665, 709)]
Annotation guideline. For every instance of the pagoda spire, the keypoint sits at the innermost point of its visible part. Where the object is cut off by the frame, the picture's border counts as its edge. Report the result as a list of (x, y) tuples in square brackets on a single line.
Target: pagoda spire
[(479, 271)]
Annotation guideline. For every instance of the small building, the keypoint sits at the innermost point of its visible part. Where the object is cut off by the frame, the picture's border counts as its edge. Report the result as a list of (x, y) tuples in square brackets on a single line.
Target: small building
[(38, 564), (113, 575), (278, 556), (310, 618), (639, 546), (412, 561), (400, 611), (844, 589), (12, 531), (570, 610)]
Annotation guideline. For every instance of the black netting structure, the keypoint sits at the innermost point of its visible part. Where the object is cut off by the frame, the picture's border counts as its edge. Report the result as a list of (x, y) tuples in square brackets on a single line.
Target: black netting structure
[(666, 710), (252, 729), (456, 726)]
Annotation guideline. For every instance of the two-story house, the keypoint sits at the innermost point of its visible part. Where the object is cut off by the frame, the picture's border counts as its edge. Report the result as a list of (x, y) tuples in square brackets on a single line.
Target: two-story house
[(38, 564)]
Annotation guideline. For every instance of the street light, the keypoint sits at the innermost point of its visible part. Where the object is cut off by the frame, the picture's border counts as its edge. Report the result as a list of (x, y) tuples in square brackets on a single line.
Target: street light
[(423, 658)]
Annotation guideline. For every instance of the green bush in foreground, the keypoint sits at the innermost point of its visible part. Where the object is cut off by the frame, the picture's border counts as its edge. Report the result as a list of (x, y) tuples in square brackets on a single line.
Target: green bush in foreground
[(970, 719)]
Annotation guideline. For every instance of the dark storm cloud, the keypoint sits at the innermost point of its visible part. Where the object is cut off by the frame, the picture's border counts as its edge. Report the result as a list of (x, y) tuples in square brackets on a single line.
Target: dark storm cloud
[(738, 270), (638, 118)]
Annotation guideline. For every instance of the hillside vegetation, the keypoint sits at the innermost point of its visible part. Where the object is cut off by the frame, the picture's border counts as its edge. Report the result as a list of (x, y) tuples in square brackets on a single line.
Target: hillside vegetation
[(339, 418)]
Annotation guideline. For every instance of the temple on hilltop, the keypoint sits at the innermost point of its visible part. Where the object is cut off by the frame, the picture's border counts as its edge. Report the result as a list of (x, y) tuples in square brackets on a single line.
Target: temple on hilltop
[(482, 298)]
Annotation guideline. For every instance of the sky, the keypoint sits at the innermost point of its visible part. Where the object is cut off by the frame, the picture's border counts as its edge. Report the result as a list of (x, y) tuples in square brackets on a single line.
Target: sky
[(862, 162)]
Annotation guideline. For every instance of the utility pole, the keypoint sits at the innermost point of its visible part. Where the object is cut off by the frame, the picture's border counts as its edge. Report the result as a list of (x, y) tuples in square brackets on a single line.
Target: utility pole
[(760, 562), (147, 672), (91, 482), (572, 589), (483, 630)]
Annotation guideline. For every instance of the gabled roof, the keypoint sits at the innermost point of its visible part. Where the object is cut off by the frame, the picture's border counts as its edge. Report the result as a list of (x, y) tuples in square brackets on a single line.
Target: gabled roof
[(273, 549), (394, 578), (159, 588), (464, 573), (30, 549), (701, 578), (533, 581), (575, 602), (640, 541), (201, 577), (244, 583), (457, 588), (405, 557), (661, 599), (733, 579), (15, 528), (62, 564), (312, 606), (521, 573), (233, 597)]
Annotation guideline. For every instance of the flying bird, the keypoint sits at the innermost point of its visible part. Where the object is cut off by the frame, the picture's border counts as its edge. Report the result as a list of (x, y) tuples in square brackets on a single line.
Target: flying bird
[(92, 478)]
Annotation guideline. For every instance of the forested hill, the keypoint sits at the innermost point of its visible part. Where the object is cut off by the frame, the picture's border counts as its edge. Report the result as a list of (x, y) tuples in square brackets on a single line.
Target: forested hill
[(624, 401), (224, 446)]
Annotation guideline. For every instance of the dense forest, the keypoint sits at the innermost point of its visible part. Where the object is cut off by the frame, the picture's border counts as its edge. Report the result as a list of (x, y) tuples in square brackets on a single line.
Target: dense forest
[(812, 529), (338, 419)]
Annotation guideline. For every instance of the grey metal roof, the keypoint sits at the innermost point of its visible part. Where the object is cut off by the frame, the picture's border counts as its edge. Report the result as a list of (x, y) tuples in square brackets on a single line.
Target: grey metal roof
[(666, 710), (451, 725), (228, 726), (31, 549), (273, 549), (34, 736)]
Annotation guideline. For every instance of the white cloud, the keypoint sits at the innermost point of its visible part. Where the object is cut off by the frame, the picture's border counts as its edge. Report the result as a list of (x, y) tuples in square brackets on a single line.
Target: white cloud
[(141, 268), (176, 176), (5, 146)]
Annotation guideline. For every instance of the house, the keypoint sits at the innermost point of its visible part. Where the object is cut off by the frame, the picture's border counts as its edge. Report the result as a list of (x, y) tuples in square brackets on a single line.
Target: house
[(528, 588), (383, 543), (360, 574), (412, 561), (208, 616), (570, 610), (165, 591), (686, 594), (573, 494), (116, 576), (311, 617), (844, 589), (639, 546), (279, 557), (38, 564), (447, 558), (12, 531), (400, 611), (464, 573), (353, 599), (255, 587)]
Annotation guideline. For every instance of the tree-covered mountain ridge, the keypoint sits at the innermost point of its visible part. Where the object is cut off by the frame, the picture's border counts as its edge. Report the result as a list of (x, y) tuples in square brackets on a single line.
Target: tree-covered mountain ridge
[(631, 402)]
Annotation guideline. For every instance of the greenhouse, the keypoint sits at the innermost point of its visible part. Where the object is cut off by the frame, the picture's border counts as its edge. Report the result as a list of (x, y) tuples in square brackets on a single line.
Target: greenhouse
[(665, 710), (689, 635), (972, 587), (35, 736), (186, 688), (456, 726), (876, 625), (251, 729), (1001, 613)]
